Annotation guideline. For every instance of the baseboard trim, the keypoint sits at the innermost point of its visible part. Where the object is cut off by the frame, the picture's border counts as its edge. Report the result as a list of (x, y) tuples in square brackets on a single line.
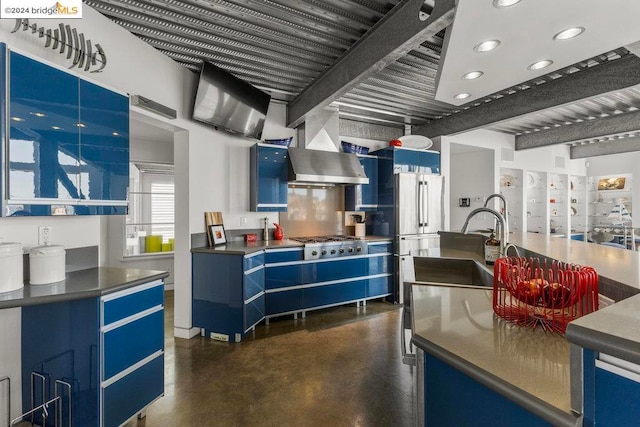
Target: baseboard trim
[(185, 333)]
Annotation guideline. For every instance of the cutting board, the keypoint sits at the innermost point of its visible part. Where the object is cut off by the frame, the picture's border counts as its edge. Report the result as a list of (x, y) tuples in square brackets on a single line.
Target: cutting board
[(211, 218)]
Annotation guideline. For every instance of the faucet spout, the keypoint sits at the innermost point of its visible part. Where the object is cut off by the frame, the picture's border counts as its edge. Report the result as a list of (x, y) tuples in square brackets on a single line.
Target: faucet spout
[(505, 215), (501, 229)]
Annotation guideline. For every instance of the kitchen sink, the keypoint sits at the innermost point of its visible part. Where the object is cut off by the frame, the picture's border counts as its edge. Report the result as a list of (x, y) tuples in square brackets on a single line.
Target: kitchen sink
[(452, 271)]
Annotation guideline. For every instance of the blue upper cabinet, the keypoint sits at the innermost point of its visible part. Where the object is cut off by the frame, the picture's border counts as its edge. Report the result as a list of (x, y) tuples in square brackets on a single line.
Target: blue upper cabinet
[(104, 146), (412, 160), (68, 143), (269, 176), (44, 145), (364, 197)]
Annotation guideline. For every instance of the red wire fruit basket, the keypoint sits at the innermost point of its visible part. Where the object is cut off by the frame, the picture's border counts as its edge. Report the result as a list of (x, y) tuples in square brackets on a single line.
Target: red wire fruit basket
[(531, 292)]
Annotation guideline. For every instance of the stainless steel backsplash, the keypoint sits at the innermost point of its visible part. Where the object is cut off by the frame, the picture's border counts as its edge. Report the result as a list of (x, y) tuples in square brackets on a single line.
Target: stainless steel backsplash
[(313, 211)]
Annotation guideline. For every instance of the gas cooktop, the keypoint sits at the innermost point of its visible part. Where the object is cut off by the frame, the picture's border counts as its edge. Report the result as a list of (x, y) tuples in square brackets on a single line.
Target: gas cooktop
[(319, 247)]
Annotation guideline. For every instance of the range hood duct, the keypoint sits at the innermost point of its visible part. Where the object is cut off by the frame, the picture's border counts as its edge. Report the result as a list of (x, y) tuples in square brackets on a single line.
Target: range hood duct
[(324, 167)]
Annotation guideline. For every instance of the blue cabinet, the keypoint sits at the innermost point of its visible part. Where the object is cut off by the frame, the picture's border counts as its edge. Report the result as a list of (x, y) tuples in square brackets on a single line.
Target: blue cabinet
[(293, 286), (611, 390), (108, 350), (68, 143), (364, 197), (228, 293), (452, 398), (269, 178), (104, 147)]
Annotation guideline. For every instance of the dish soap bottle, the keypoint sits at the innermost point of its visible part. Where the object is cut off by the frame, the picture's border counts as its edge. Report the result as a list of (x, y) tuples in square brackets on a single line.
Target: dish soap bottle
[(491, 249)]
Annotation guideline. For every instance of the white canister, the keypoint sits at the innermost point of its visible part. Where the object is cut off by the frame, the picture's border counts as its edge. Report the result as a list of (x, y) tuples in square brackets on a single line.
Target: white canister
[(11, 267), (46, 264)]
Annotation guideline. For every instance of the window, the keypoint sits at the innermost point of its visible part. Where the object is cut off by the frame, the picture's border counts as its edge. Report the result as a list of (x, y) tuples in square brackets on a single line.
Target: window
[(150, 222)]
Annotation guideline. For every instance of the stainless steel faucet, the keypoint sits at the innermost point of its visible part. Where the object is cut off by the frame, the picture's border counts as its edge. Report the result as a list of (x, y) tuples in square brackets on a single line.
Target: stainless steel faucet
[(509, 246), (502, 235), (505, 216)]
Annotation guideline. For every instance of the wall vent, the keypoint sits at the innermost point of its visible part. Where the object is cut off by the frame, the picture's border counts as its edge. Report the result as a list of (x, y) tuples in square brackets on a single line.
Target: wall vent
[(147, 104), (507, 155), (560, 162)]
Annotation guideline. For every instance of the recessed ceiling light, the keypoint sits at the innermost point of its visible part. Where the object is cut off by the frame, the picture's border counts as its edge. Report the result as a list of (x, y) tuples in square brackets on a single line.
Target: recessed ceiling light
[(115, 133), (504, 3), (472, 75), (487, 46), (540, 64), (462, 95), (80, 125), (56, 127), (17, 119), (569, 33), (39, 114)]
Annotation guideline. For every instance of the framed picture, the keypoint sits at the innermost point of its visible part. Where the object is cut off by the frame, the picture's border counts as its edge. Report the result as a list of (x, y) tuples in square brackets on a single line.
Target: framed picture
[(611, 183), (217, 234)]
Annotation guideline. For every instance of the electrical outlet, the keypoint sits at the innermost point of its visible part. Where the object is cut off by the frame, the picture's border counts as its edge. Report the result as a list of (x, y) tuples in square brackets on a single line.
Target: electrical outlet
[(44, 235), (243, 220)]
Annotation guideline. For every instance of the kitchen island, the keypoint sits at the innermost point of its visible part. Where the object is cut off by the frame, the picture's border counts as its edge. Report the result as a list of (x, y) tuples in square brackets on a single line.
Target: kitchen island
[(96, 340), (526, 374)]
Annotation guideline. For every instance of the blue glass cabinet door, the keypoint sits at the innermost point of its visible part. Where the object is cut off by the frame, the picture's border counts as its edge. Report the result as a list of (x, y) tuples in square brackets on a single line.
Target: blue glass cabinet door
[(43, 132), (104, 143), (269, 179)]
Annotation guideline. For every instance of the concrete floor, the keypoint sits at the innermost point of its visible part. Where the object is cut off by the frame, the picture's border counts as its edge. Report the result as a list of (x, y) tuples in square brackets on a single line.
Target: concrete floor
[(337, 367)]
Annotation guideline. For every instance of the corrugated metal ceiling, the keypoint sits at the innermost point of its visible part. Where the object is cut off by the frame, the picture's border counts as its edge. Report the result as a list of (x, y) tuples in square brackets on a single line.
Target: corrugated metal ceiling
[(282, 46)]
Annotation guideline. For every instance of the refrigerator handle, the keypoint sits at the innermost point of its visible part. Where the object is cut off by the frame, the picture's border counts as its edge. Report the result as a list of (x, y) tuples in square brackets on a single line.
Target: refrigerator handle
[(426, 198), (419, 205)]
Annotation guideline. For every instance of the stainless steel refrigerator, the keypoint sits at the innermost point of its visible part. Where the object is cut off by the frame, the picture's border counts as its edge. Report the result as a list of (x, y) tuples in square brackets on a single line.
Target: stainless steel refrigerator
[(418, 216)]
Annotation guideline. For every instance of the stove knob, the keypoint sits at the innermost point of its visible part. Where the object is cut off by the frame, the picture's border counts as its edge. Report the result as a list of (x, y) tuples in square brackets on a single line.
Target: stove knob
[(350, 250), (324, 252), (341, 250), (333, 251), (314, 253), (359, 249)]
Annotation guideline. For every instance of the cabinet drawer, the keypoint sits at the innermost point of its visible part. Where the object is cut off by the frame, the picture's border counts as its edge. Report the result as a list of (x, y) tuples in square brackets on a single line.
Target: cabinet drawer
[(377, 248), (284, 276), (126, 397), (253, 260), (253, 312), (379, 286), (334, 294), (130, 343), (253, 283), (284, 255), (120, 305), (281, 302)]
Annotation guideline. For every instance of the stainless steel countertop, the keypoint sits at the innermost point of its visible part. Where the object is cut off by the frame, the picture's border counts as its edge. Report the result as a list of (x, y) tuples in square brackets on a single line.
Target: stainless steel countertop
[(529, 366), (89, 283)]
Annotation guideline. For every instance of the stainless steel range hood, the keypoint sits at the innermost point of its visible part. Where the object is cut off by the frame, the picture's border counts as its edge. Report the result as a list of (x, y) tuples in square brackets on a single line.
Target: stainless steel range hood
[(324, 167)]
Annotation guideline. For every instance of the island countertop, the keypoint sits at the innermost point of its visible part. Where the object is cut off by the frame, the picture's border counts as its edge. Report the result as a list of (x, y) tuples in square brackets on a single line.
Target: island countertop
[(92, 282), (529, 366)]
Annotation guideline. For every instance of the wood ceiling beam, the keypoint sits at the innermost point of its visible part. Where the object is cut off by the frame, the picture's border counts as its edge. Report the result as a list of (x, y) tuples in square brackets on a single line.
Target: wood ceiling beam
[(604, 148), (395, 35), (608, 77), (588, 129)]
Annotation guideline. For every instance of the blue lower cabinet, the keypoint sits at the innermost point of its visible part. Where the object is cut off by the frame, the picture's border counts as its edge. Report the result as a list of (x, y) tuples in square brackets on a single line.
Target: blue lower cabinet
[(337, 270), (142, 338), (253, 282), (451, 398), (380, 248), (334, 294), (254, 312), (379, 286), (114, 368), (284, 255), (284, 301), (616, 396), (225, 293), (285, 276), (123, 398)]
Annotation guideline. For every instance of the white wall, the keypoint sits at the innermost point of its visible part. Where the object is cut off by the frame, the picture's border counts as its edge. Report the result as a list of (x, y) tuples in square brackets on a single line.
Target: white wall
[(472, 176)]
